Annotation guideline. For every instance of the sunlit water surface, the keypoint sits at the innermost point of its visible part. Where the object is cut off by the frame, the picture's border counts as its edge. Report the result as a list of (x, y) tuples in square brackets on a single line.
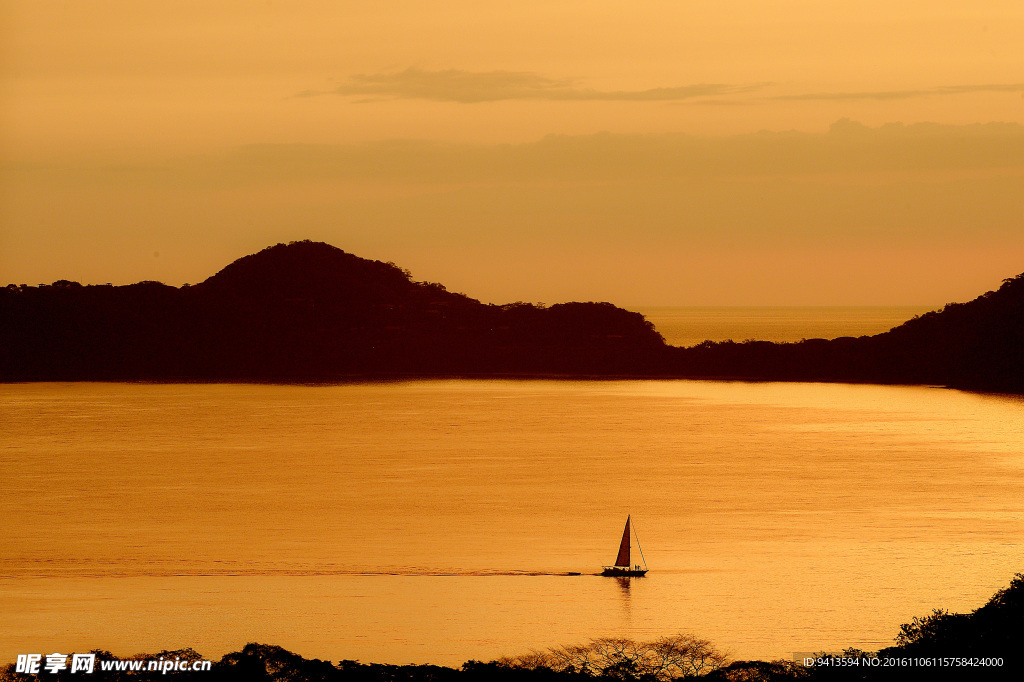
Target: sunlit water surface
[(436, 521)]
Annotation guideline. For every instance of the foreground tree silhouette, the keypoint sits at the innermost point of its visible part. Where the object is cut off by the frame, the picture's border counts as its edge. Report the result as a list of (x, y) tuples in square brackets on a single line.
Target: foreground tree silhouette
[(995, 629), (666, 658)]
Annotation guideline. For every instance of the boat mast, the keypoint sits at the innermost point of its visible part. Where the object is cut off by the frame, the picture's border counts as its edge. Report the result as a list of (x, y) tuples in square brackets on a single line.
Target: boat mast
[(638, 544)]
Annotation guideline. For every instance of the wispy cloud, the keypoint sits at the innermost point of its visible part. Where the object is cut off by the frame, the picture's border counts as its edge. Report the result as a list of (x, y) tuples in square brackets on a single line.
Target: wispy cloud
[(903, 94), (469, 87), (454, 85)]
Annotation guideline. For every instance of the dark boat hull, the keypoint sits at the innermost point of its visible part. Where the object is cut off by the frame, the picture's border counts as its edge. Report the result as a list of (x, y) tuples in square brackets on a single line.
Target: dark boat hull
[(624, 572)]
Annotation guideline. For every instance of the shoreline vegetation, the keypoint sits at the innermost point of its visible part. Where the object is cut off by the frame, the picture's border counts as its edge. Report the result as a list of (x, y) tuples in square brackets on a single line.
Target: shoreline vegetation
[(981, 645), (308, 312)]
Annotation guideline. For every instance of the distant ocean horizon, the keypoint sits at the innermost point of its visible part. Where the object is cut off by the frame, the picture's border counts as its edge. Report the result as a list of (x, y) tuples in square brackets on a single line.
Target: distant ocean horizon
[(690, 325)]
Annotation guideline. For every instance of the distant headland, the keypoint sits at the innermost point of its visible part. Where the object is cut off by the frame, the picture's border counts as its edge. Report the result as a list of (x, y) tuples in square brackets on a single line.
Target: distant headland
[(310, 312)]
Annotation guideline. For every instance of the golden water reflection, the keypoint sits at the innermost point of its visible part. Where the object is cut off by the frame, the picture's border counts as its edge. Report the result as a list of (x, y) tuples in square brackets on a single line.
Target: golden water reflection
[(440, 521)]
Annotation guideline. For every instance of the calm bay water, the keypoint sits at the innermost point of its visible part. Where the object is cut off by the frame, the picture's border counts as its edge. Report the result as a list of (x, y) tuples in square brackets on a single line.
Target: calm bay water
[(437, 521)]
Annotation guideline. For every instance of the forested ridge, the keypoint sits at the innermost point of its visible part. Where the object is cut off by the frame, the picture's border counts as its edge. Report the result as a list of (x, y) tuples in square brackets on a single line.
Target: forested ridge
[(308, 311)]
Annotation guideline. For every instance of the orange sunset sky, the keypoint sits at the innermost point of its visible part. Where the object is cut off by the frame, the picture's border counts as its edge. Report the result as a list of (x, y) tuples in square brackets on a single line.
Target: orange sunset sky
[(650, 152)]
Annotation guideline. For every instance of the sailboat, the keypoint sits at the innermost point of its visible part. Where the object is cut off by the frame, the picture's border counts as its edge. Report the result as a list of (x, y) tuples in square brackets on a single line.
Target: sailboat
[(622, 567)]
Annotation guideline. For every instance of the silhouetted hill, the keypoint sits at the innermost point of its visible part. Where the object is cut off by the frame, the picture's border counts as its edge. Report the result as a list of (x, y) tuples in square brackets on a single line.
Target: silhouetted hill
[(306, 311), (304, 270), (977, 345)]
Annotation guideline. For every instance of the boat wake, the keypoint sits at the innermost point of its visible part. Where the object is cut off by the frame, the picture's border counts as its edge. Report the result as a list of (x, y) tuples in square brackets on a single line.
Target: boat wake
[(482, 574), (156, 572)]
